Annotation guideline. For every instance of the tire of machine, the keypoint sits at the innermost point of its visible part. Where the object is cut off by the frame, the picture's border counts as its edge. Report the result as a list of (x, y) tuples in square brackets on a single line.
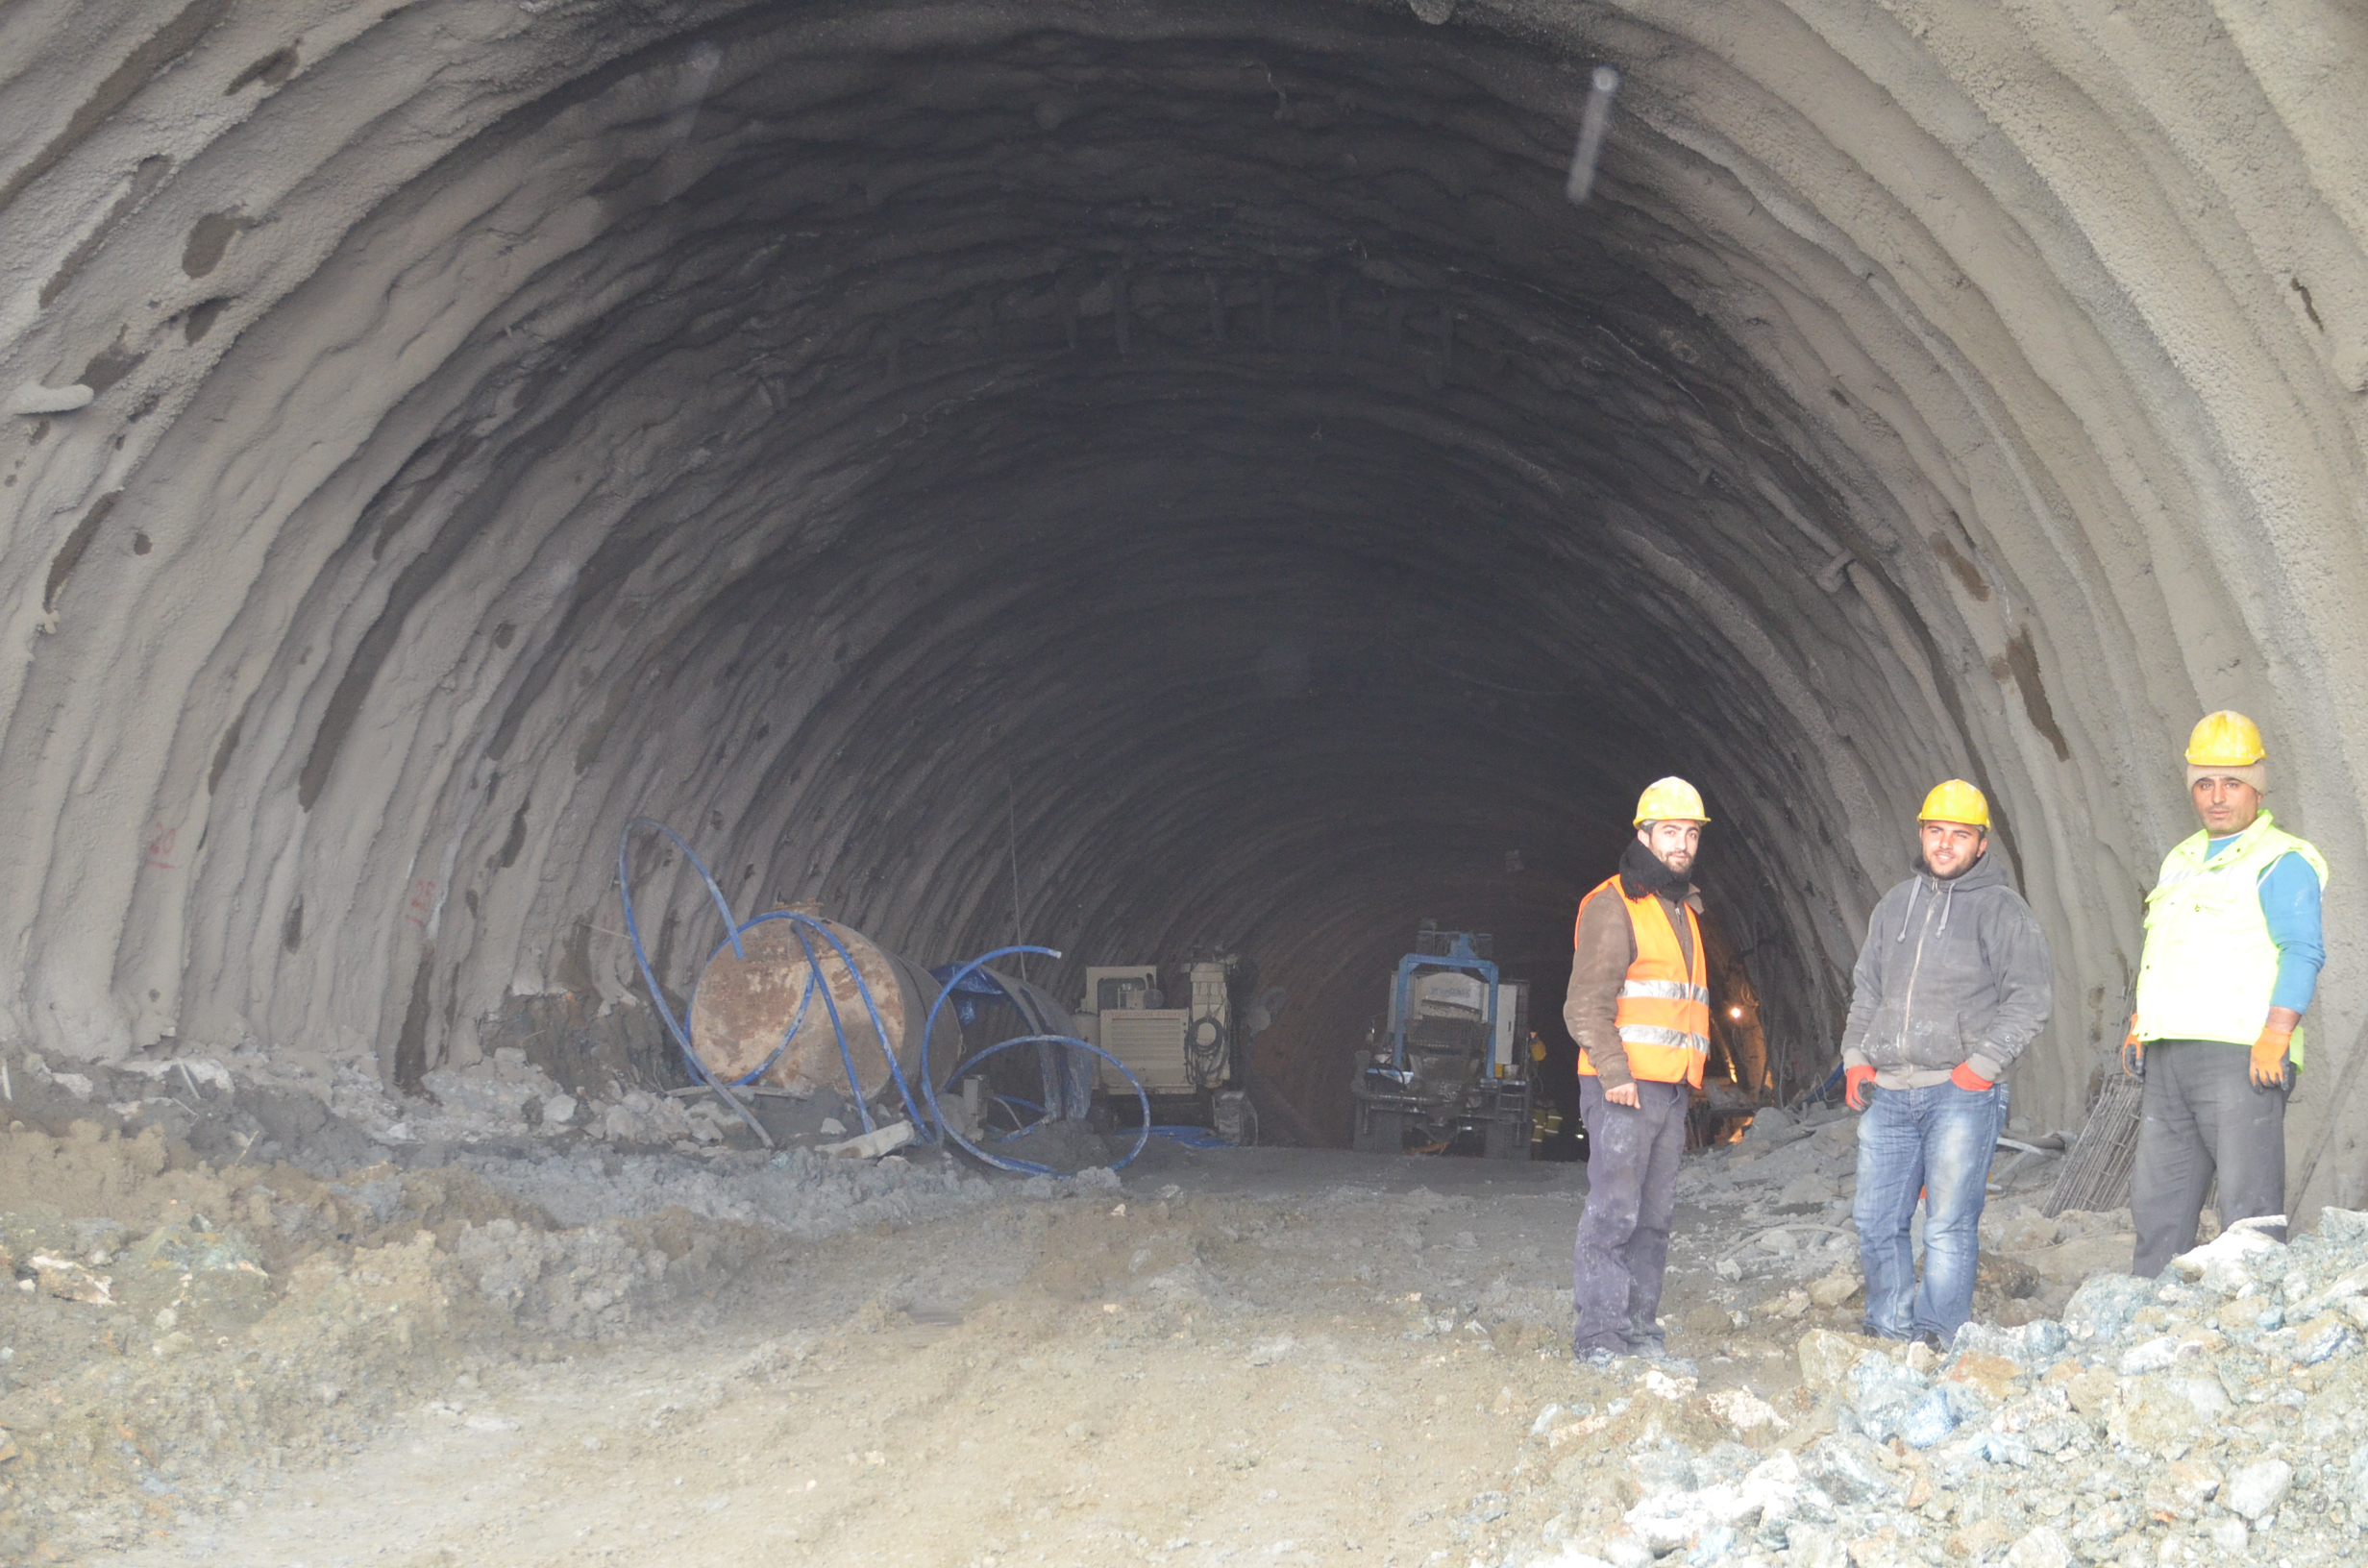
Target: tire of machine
[(1380, 1132)]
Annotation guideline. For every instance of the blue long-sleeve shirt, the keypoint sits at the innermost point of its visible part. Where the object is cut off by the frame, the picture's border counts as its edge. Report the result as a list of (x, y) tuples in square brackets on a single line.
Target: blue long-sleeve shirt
[(2290, 904)]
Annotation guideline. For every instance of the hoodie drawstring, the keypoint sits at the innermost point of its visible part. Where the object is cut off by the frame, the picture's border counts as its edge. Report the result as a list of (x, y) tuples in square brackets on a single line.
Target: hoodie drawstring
[(1948, 901)]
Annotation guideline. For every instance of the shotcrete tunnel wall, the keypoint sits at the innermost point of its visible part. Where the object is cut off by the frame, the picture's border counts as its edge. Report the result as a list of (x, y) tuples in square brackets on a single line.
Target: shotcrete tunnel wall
[(1182, 469)]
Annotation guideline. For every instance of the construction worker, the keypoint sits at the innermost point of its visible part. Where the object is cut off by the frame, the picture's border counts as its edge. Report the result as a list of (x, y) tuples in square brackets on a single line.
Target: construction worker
[(1639, 1007), (2233, 956), (1952, 981)]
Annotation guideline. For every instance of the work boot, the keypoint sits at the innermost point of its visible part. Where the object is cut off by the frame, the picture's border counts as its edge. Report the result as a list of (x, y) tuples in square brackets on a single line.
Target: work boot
[(1601, 1358)]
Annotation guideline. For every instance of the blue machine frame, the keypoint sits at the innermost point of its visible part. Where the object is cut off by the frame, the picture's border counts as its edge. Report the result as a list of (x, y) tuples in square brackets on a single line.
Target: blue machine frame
[(1458, 957)]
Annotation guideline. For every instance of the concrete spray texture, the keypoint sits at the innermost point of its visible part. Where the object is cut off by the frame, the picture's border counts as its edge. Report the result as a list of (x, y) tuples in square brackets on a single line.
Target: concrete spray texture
[(1190, 471)]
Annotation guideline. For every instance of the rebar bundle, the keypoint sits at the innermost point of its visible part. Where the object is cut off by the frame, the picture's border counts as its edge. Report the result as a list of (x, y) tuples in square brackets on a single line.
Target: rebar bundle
[(2096, 1173)]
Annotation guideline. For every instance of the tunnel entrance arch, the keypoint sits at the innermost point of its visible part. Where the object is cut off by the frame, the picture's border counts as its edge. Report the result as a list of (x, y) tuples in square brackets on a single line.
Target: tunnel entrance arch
[(1353, 511)]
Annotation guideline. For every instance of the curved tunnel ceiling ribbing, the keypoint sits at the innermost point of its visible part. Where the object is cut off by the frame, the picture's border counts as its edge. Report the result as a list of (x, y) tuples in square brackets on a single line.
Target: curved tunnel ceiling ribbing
[(1170, 448)]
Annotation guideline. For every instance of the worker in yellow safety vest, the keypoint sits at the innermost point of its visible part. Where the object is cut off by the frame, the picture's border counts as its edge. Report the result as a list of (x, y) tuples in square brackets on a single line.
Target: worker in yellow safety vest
[(2232, 961), (1640, 1009)]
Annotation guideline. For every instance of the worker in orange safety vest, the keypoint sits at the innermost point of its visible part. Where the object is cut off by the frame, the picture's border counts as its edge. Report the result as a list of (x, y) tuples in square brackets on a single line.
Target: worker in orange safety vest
[(1639, 1007)]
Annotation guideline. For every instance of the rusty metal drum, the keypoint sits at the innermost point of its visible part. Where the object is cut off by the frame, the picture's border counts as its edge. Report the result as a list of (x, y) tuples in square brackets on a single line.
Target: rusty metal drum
[(744, 1005)]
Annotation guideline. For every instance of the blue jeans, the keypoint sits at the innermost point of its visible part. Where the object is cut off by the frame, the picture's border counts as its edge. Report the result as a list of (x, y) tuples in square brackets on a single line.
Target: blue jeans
[(1939, 1140)]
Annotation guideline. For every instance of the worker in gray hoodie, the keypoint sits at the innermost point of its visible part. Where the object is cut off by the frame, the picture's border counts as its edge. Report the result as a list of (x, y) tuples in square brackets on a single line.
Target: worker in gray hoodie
[(1953, 981)]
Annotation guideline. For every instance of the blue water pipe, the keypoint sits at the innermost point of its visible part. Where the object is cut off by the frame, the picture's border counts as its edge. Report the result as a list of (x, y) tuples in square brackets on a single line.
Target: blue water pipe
[(932, 1127), (799, 924), (929, 1081), (847, 1061), (1030, 1166), (633, 930)]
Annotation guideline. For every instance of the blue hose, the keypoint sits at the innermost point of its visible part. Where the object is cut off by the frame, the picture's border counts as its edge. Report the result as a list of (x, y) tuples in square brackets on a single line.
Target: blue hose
[(1030, 1166), (928, 1086), (799, 922), (633, 930), (805, 999), (931, 1126), (830, 1006)]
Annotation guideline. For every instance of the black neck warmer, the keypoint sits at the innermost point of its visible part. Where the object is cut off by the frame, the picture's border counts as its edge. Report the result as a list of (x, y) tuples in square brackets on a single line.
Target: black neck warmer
[(1641, 871)]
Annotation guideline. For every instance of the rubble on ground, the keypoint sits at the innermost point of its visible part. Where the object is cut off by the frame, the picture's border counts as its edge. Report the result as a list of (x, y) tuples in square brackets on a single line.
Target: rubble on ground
[(176, 1319), (1786, 1244), (190, 1305), (798, 1193), (2217, 1415), (324, 1116)]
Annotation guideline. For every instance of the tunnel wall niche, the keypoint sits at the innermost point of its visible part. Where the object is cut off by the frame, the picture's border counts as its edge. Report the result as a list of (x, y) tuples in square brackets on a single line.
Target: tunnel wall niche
[(437, 433)]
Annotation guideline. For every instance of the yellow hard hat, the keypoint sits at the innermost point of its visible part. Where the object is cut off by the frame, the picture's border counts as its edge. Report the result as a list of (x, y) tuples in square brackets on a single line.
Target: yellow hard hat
[(2225, 739), (1953, 800), (1670, 799)]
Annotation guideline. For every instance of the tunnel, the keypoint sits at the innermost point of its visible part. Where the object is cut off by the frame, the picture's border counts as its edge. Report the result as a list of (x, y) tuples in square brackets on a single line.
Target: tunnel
[(1143, 478)]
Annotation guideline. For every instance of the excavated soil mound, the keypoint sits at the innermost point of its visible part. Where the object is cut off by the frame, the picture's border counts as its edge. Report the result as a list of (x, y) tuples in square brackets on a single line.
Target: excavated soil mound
[(173, 1322)]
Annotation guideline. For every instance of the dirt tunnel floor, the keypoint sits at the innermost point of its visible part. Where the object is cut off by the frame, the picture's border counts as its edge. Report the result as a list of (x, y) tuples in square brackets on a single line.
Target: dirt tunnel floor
[(1280, 1355), (1096, 1376), (1196, 1376)]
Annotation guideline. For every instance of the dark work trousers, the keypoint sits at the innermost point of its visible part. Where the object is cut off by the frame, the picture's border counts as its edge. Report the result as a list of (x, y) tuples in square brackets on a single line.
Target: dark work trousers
[(1623, 1242), (2203, 1115)]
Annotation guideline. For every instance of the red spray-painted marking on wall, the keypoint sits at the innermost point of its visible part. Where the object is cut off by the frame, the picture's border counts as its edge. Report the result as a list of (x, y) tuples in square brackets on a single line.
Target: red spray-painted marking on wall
[(423, 903), (160, 841)]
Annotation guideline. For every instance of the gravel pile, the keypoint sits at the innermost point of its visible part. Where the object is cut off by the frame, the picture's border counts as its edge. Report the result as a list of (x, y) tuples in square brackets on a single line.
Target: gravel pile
[(2218, 1415), (799, 1192)]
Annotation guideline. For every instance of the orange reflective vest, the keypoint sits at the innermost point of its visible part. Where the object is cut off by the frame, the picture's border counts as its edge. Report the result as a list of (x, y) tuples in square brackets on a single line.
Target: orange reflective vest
[(1663, 1014)]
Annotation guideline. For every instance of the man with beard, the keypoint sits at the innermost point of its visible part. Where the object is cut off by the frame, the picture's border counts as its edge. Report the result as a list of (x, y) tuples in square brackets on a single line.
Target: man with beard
[(1954, 980), (1639, 1007)]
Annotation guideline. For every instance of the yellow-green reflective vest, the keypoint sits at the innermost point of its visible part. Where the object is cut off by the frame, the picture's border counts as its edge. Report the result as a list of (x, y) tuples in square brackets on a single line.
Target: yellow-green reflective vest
[(2209, 966)]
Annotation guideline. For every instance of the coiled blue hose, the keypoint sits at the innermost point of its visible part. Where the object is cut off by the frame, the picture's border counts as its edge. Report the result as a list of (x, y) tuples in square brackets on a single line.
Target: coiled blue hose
[(932, 1127), (929, 1082), (799, 924)]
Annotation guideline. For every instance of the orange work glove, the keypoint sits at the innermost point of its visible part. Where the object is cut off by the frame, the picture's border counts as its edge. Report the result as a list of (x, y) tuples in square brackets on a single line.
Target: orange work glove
[(2269, 1057), (2133, 1052), (1855, 1080), (1967, 1079)]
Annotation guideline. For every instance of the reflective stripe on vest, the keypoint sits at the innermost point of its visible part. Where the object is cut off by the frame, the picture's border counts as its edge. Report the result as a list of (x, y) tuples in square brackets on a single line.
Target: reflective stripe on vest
[(1674, 991), (1663, 1012), (1652, 1034), (2209, 965)]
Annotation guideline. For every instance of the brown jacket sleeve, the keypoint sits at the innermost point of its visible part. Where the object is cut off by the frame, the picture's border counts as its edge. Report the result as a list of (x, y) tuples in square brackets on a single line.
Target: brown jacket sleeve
[(1602, 951)]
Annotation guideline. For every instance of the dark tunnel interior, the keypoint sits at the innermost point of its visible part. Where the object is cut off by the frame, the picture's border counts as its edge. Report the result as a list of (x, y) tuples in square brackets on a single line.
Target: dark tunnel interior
[(1223, 484)]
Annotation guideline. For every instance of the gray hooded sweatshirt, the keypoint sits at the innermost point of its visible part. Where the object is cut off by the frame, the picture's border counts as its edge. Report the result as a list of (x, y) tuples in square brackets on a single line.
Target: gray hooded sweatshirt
[(1952, 972)]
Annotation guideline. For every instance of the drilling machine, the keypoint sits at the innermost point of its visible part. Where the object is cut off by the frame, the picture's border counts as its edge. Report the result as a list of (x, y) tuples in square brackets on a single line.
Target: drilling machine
[(1450, 1060)]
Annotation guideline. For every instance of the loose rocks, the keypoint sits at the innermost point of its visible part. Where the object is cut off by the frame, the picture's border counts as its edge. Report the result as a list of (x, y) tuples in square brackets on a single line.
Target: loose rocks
[(2256, 1490), (2220, 1410)]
